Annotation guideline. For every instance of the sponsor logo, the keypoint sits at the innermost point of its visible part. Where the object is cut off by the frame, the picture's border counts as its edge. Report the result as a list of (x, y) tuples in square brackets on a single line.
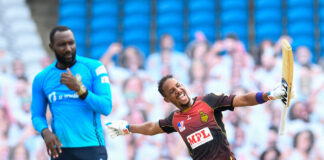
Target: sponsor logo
[(200, 137), (203, 117), (101, 70), (181, 126), (285, 88), (104, 79), (53, 97)]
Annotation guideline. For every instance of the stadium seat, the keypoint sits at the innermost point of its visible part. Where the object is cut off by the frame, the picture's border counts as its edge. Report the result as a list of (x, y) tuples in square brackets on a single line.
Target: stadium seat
[(74, 23), (170, 6), (137, 21), (240, 30), (302, 13), (72, 10), (105, 9), (136, 35), (234, 5), (268, 4), (103, 37), (303, 41), (268, 16), (299, 3), (137, 7), (97, 51), (170, 19), (270, 31), (204, 17), (104, 23), (234, 16), (205, 5), (301, 29)]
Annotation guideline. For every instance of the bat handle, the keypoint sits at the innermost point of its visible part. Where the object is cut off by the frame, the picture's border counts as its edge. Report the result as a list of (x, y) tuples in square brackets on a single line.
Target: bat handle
[(283, 120)]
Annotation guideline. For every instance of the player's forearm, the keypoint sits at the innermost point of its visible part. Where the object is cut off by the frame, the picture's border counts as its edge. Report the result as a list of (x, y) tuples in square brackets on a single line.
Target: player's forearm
[(250, 99), (147, 128), (99, 103)]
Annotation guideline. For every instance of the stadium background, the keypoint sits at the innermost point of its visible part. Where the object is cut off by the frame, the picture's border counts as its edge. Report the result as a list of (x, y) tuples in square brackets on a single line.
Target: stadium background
[(227, 46)]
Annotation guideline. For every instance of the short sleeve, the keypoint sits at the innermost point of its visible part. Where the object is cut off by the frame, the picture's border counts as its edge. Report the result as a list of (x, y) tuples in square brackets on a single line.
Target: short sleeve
[(219, 102), (166, 124)]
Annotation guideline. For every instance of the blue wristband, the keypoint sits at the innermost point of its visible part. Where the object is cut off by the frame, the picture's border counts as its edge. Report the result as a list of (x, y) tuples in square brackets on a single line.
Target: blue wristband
[(259, 97)]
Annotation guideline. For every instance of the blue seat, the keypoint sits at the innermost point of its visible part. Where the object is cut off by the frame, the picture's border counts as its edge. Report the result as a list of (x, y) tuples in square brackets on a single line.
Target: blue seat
[(321, 14), (104, 23), (301, 29), (308, 41), (170, 19), (268, 15), (321, 27), (234, 5), (271, 31), (76, 24), (141, 35), (104, 9), (81, 50), (96, 51), (267, 4), (205, 5), (66, 2), (301, 13), (103, 37), (300, 3), (137, 7), (235, 16), (176, 32), (73, 10), (209, 31), (203, 17), (80, 37), (240, 30), (137, 21), (170, 6)]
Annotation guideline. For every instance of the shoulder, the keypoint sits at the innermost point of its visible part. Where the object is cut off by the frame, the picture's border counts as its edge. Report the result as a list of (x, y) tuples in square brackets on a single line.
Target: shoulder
[(92, 63), (41, 75)]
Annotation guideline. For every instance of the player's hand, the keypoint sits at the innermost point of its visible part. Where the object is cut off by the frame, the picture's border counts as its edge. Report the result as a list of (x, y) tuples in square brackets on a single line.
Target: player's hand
[(69, 80), (116, 128), (278, 92), (53, 144)]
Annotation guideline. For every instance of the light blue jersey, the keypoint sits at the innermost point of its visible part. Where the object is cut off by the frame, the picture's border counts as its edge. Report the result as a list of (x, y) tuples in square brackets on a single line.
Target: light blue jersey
[(75, 122)]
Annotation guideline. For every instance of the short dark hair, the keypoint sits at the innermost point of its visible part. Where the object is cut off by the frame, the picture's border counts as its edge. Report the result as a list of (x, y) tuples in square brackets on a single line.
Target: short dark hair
[(58, 28), (161, 83), (312, 139)]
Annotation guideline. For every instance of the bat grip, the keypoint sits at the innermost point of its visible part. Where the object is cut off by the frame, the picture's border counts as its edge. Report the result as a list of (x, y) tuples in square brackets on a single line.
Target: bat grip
[(283, 120)]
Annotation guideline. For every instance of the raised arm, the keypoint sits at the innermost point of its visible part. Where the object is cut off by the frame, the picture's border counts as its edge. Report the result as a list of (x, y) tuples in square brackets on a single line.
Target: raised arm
[(121, 127), (250, 99), (147, 128)]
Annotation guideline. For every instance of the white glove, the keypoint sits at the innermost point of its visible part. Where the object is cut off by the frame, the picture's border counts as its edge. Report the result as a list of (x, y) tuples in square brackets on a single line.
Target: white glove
[(279, 92), (116, 128)]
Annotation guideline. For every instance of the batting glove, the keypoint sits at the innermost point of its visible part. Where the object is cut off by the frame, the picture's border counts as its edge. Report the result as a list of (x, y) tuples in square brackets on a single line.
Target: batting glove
[(278, 92), (116, 128)]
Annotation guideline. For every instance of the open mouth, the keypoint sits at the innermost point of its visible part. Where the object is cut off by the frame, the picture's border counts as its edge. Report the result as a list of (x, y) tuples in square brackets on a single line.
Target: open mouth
[(182, 97)]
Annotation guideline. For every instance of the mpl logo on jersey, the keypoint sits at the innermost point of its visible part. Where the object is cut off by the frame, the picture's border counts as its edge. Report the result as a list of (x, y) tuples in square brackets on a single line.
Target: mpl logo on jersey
[(200, 137), (181, 126)]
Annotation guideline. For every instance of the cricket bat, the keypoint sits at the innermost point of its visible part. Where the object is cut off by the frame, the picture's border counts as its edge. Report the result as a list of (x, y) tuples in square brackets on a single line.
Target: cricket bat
[(286, 81)]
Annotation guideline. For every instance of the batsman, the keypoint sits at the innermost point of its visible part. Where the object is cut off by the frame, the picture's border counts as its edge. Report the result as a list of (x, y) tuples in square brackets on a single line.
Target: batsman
[(198, 120)]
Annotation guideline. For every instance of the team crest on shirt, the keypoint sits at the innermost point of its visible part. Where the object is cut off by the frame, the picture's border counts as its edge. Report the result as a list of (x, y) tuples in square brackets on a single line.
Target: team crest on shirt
[(181, 126), (203, 117)]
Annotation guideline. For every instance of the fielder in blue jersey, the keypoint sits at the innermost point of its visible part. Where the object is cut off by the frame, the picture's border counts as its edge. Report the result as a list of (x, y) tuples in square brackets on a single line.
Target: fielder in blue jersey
[(77, 91)]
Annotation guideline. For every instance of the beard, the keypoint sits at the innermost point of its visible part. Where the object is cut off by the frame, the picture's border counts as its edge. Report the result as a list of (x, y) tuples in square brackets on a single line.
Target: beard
[(66, 61), (184, 106)]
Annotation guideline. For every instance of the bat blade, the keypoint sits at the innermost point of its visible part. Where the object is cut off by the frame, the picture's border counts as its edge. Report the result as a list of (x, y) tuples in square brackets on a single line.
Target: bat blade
[(286, 81)]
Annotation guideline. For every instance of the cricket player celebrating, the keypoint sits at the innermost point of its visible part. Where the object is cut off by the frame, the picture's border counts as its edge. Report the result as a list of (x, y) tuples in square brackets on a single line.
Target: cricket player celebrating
[(198, 120)]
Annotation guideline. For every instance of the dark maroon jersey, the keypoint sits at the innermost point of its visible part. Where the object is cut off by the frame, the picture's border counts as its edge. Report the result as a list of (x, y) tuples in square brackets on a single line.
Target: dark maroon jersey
[(202, 128)]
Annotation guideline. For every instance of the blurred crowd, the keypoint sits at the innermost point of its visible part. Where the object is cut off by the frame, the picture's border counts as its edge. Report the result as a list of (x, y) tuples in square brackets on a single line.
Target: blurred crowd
[(224, 66)]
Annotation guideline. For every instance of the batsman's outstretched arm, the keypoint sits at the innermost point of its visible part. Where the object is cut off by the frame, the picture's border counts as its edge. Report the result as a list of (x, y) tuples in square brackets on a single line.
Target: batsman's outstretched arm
[(254, 98), (116, 128), (147, 128)]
